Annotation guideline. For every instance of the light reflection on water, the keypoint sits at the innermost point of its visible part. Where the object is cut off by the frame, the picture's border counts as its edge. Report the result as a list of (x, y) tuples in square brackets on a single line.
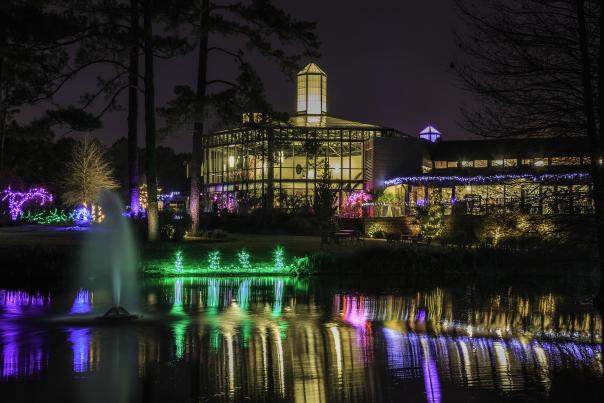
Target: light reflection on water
[(287, 339)]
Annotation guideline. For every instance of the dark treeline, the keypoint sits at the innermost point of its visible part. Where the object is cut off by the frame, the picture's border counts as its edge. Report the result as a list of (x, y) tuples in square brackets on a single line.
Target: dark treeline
[(39, 162), (46, 44)]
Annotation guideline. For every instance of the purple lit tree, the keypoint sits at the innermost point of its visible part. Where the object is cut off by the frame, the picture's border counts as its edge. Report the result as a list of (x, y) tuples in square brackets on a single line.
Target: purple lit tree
[(16, 200)]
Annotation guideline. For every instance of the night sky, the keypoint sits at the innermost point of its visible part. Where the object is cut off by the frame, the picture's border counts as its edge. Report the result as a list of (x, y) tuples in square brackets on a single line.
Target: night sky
[(387, 63)]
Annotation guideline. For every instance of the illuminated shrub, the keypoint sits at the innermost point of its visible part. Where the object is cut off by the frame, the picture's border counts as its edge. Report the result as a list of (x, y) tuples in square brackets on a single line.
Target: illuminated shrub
[(376, 230)]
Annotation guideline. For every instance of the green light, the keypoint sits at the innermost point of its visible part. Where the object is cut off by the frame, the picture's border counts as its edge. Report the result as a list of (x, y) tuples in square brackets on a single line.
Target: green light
[(278, 297), (279, 259), (243, 259), (178, 262), (48, 217), (213, 293), (243, 295), (214, 261), (179, 328), (215, 338), (242, 264)]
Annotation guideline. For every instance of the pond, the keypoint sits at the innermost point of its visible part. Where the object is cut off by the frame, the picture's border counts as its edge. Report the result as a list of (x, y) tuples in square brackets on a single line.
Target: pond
[(302, 340)]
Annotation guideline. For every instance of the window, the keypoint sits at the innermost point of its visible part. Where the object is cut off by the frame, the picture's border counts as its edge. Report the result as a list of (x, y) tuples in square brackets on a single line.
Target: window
[(510, 162), (440, 164), (497, 163), (541, 162), (467, 164), (586, 160), (566, 161), (480, 163), (527, 161), (451, 164)]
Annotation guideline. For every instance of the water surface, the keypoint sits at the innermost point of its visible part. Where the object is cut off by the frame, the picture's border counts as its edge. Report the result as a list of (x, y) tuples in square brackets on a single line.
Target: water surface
[(302, 340)]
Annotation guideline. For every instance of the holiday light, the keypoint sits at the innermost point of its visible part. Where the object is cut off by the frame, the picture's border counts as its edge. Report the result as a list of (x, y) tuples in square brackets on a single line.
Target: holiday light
[(16, 200), (82, 303), (178, 262), (469, 180), (48, 217), (354, 203), (214, 260), (279, 259), (242, 264), (243, 259), (82, 215)]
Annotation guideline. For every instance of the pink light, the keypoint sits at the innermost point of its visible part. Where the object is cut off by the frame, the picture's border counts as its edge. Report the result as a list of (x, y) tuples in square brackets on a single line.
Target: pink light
[(353, 205), (16, 200)]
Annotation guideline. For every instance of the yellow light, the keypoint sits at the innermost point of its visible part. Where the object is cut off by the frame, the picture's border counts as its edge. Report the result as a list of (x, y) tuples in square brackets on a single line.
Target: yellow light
[(231, 161)]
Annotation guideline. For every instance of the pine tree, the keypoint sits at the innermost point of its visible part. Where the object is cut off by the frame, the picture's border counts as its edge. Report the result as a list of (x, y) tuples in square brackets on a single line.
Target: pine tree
[(259, 27)]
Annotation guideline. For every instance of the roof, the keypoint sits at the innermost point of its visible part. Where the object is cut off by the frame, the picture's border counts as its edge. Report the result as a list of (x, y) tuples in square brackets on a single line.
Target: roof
[(311, 68), (463, 150), (328, 121), (430, 130)]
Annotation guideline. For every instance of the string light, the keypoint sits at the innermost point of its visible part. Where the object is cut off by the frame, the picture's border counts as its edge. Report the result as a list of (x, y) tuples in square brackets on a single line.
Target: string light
[(242, 264), (16, 200), (49, 217), (178, 262), (468, 180), (214, 260), (82, 215), (279, 259), (243, 259)]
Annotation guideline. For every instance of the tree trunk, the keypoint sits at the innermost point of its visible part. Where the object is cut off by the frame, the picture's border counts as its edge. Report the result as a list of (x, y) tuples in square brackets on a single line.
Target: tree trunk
[(197, 152), (133, 110), (594, 139), (152, 214), (3, 107)]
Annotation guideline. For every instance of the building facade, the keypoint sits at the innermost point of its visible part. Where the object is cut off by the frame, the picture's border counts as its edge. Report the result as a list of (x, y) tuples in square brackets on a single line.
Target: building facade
[(284, 161), (533, 176), (378, 171)]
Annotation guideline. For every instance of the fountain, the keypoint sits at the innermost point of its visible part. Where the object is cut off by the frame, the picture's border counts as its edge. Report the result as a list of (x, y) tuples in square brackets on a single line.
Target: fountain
[(110, 260)]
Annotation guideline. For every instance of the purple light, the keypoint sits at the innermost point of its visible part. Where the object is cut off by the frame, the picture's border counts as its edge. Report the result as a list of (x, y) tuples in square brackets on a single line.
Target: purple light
[(422, 203), (19, 358), (82, 303), (421, 315), (431, 379), (354, 203), (481, 180), (80, 345), (16, 200), (430, 133), (14, 301), (82, 216)]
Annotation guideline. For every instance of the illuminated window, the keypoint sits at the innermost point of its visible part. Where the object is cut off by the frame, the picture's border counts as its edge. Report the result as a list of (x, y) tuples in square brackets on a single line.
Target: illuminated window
[(528, 161), (497, 163), (311, 91), (467, 164), (451, 164), (586, 160), (540, 162), (566, 161), (509, 162), (440, 164), (480, 163)]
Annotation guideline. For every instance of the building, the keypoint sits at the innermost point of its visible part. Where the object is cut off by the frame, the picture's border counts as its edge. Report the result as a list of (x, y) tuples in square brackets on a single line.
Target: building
[(378, 171), (283, 162), (534, 176)]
